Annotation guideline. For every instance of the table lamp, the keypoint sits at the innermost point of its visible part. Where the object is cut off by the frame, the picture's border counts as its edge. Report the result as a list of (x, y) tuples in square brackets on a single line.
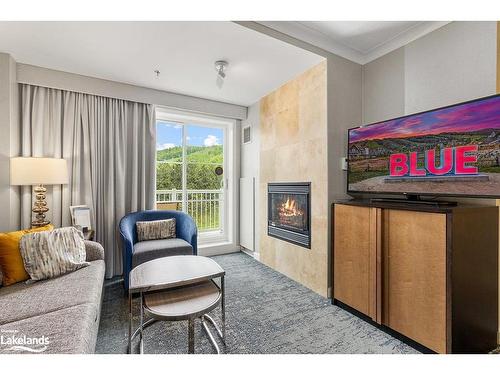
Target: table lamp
[(38, 172)]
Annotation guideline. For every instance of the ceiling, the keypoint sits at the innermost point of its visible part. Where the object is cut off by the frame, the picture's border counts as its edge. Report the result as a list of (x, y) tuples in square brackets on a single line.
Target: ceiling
[(359, 41), (183, 52)]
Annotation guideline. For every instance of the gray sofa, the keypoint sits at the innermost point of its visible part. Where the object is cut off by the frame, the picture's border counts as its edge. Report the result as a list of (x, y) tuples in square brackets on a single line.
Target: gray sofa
[(66, 309)]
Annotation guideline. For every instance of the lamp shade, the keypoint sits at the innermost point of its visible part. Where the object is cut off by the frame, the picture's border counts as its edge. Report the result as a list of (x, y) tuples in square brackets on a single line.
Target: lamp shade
[(38, 171)]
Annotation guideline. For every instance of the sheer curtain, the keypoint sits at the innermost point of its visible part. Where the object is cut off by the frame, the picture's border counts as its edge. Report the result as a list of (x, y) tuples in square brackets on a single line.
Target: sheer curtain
[(110, 148)]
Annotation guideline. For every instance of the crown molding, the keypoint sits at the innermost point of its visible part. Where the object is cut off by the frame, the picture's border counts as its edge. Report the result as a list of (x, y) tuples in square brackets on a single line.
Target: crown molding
[(299, 31)]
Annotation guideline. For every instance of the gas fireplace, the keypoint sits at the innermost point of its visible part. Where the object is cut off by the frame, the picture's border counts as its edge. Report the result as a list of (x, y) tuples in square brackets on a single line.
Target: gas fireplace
[(289, 212)]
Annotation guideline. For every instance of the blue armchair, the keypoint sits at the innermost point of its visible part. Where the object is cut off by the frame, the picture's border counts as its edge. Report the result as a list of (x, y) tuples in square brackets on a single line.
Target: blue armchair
[(135, 253)]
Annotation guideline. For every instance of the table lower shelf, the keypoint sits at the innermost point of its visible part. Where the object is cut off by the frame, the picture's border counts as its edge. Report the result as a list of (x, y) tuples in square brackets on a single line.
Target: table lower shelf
[(204, 319)]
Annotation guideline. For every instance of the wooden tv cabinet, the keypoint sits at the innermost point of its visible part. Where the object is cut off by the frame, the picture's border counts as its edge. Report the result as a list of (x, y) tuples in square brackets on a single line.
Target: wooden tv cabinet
[(428, 273)]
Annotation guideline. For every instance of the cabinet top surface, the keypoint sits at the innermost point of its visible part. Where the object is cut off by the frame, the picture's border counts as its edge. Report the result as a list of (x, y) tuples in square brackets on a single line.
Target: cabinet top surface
[(410, 206)]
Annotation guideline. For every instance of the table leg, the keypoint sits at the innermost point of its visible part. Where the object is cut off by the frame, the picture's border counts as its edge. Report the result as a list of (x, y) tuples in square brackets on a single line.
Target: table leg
[(141, 343), (191, 336), (129, 349), (209, 334), (223, 308)]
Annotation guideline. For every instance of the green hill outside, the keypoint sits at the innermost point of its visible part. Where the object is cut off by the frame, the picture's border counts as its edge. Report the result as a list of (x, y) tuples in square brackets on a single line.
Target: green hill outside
[(195, 154), (202, 162)]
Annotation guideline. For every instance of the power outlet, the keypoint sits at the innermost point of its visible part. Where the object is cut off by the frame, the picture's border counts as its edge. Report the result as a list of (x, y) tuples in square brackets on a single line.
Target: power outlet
[(343, 163)]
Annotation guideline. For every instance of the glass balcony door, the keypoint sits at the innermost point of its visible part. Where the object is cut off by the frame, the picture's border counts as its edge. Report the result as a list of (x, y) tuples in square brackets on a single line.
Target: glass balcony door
[(191, 174)]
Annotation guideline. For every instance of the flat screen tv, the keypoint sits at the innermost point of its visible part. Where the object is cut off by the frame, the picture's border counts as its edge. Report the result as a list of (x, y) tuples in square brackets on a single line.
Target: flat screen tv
[(450, 151)]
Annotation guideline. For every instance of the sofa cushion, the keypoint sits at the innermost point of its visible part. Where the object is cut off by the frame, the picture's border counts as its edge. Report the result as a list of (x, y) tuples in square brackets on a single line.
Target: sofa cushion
[(94, 251), (21, 301), (149, 250), (70, 330), (50, 254), (10, 255)]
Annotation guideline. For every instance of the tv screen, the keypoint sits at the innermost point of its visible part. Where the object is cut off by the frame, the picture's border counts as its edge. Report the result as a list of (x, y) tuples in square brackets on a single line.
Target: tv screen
[(453, 151)]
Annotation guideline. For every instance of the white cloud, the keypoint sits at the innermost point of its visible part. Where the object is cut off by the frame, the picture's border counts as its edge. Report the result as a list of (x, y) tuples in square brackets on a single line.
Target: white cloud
[(164, 146), (211, 140)]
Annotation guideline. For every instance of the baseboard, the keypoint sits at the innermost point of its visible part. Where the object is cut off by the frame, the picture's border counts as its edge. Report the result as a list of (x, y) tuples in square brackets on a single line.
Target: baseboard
[(246, 251), (393, 333), (217, 249)]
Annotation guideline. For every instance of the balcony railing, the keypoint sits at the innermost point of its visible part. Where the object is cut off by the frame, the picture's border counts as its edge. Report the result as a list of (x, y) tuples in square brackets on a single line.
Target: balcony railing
[(205, 206)]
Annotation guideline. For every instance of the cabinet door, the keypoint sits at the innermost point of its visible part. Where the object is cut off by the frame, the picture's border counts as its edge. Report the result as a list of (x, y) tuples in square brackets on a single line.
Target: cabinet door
[(414, 299), (355, 263)]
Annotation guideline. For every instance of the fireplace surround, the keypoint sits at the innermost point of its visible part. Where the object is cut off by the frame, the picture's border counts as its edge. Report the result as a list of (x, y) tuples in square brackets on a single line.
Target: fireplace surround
[(289, 212)]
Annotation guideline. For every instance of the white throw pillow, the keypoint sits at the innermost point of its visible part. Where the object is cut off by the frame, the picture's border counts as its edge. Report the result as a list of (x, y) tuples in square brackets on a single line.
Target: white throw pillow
[(53, 253)]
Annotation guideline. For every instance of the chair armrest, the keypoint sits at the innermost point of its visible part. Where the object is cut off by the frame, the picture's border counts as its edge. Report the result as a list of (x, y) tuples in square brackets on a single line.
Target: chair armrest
[(94, 250), (127, 237), (188, 231)]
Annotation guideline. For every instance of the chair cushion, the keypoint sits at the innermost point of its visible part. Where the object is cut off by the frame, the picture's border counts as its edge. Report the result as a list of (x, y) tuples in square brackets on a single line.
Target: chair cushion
[(149, 250)]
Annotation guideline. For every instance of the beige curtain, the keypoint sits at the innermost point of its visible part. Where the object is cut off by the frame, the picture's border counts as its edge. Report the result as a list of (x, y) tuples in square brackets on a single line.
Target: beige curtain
[(110, 148)]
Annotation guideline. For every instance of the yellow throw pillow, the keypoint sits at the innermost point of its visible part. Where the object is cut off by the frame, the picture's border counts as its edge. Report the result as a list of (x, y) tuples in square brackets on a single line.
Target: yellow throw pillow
[(11, 261)]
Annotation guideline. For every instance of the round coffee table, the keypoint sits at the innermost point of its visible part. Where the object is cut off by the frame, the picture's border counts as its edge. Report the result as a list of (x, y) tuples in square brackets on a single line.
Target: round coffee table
[(178, 288)]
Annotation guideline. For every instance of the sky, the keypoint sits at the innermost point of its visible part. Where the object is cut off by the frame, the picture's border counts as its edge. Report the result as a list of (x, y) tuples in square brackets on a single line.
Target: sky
[(479, 115), (169, 135)]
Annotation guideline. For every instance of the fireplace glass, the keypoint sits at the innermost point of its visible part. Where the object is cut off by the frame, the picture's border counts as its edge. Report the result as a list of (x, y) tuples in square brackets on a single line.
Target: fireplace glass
[(289, 212)]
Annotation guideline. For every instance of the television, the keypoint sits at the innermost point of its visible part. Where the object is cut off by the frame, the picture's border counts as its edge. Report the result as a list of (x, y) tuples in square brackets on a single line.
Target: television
[(449, 151)]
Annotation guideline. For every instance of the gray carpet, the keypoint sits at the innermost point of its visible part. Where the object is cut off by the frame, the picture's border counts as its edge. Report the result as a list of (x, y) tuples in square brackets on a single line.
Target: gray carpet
[(266, 312)]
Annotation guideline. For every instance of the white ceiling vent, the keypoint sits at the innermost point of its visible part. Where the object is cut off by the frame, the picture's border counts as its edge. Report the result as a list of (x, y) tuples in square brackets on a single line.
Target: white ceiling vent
[(247, 134)]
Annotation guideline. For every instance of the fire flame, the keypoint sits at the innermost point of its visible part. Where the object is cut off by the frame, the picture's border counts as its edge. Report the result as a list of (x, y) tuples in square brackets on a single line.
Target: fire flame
[(290, 208)]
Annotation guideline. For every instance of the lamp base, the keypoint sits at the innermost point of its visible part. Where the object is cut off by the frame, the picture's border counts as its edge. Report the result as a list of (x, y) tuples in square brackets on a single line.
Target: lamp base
[(40, 207), (35, 224)]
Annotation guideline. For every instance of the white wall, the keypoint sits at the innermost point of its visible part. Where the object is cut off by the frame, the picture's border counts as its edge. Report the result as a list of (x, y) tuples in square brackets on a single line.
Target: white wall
[(250, 159), (250, 151), (36, 75), (344, 112), (452, 64), (384, 87)]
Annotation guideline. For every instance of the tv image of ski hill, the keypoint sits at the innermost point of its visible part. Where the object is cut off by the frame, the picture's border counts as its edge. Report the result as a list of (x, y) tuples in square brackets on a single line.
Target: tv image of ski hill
[(369, 163)]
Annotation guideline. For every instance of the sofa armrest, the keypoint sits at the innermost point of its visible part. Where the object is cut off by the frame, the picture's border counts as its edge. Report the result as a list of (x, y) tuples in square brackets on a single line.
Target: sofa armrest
[(94, 250)]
